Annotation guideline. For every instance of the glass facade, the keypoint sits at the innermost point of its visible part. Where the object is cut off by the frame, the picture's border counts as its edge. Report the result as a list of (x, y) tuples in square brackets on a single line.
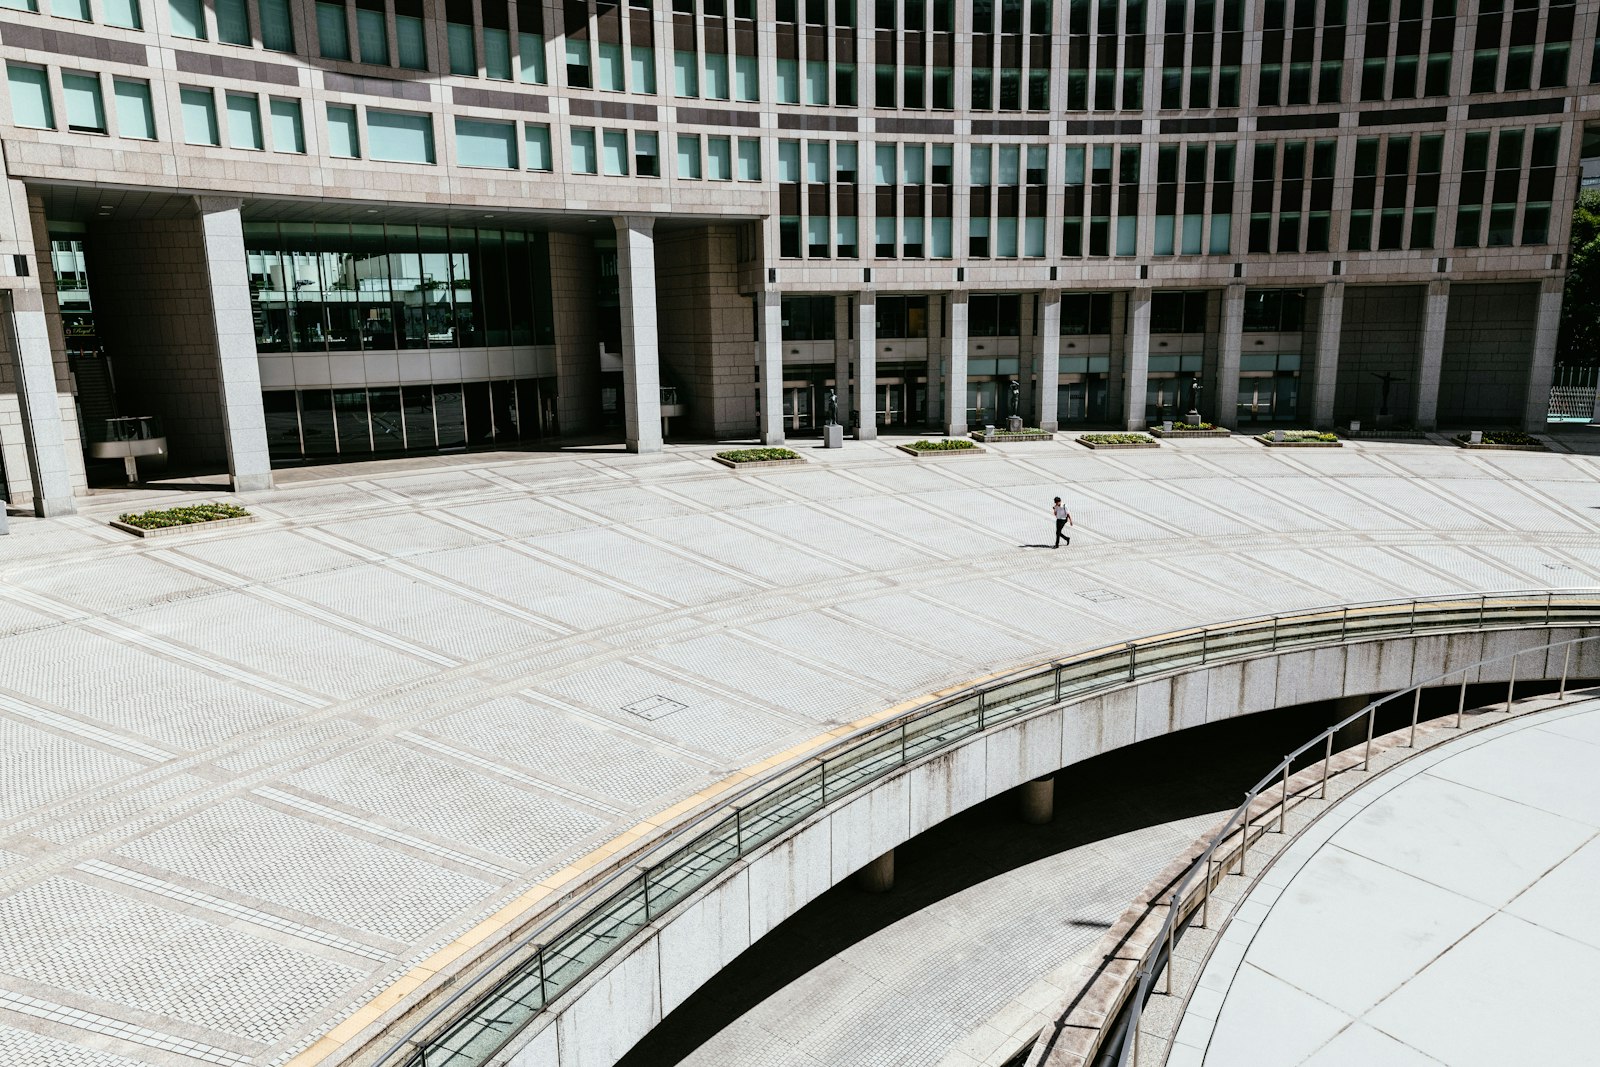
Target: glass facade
[(354, 287)]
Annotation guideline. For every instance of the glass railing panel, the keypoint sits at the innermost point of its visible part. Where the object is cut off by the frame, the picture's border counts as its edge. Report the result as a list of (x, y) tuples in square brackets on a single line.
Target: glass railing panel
[(492, 1022), (942, 727), (1010, 699), (862, 763), (1172, 653), (693, 865), (570, 956), (769, 815), (1242, 639)]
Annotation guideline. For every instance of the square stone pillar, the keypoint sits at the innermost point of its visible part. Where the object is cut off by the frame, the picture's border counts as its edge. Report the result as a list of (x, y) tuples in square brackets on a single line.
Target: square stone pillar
[(1430, 354), (1047, 388), (1136, 367), (28, 337), (955, 386), (641, 368), (1546, 325), (866, 391), (244, 426), (770, 359), (1325, 368), (1230, 344)]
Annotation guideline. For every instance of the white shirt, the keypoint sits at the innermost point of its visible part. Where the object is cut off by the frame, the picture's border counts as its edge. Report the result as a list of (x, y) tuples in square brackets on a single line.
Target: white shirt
[(1061, 512)]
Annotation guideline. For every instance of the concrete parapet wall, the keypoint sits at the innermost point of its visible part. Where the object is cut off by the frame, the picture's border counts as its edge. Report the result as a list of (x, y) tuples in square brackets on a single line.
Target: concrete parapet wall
[(614, 1008)]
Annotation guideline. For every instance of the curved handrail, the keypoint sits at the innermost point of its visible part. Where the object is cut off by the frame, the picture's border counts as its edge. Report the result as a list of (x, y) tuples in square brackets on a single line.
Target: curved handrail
[(570, 943), (1180, 906)]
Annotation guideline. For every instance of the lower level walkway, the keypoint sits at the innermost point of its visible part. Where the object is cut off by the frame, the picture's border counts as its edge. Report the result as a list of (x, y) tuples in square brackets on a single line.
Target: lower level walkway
[(1444, 914)]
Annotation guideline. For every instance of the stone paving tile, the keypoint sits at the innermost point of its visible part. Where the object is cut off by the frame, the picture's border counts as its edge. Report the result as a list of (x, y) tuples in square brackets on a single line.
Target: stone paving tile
[(41, 769), (22, 1048)]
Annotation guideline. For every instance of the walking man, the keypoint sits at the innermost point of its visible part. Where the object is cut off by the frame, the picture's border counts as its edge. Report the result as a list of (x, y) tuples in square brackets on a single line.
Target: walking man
[(1063, 520)]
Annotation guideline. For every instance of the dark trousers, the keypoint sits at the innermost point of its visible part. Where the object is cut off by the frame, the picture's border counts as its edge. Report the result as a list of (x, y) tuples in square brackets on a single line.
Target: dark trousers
[(1061, 524)]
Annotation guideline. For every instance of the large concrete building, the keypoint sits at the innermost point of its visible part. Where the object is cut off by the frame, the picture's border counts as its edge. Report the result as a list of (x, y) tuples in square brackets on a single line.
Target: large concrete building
[(292, 229)]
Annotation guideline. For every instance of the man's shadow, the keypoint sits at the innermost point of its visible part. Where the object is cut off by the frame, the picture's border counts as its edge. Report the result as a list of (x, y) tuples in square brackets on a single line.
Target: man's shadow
[(1036, 546)]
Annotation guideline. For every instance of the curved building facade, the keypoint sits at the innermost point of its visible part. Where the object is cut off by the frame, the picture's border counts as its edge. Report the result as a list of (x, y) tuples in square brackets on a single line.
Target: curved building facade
[(290, 230)]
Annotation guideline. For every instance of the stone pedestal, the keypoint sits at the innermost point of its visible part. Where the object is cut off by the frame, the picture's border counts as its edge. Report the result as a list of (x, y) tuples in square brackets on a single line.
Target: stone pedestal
[(1014, 424), (833, 436)]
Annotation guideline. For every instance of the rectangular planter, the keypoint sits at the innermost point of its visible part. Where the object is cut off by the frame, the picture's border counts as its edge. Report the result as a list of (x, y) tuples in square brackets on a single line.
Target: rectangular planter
[(749, 463), (1010, 438), (188, 527), (939, 453), (1502, 448), (1127, 444), (1177, 434), (1388, 435), (1302, 444)]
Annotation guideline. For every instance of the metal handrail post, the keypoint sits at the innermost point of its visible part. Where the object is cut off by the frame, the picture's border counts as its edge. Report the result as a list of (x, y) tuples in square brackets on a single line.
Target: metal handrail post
[(1461, 703), (1244, 832), (538, 953), (1566, 661), (1411, 626), (738, 831), (1131, 655), (1366, 758), (1416, 708), (1205, 643), (1172, 925), (1205, 899), (1327, 760), (902, 744), (1511, 687), (1482, 603), (1344, 623), (1283, 802)]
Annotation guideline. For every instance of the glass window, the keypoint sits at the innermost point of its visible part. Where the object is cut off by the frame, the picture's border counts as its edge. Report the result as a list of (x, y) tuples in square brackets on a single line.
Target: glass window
[(288, 130), (788, 162), (685, 77), (816, 81), (883, 164), (530, 54), (333, 31), (614, 152), (497, 54), (344, 139), (244, 121), (719, 159), (788, 72), (135, 115), (584, 160), (746, 78), (199, 108), (486, 144), (233, 21), (688, 155), (123, 13), (400, 137), (716, 83), (277, 26), (646, 154), (464, 50), (817, 162), (86, 109), (749, 159), (912, 169), (412, 42), (612, 74), (642, 62), (187, 18), (536, 144), (372, 36)]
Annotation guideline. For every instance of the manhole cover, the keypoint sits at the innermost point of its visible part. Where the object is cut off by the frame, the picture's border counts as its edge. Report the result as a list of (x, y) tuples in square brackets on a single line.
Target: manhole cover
[(653, 707), (1099, 596)]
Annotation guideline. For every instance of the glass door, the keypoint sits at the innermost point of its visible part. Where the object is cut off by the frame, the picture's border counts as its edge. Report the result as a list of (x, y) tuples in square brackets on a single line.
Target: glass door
[(983, 403), (796, 406), (891, 404)]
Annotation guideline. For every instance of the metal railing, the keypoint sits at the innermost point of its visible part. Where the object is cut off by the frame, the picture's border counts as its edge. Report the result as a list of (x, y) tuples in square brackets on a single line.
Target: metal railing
[(1157, 958), (518, 984)]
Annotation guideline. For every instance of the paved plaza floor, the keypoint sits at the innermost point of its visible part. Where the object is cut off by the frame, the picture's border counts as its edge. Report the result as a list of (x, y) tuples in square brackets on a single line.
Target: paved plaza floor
[(1445, 913), (257, 776)]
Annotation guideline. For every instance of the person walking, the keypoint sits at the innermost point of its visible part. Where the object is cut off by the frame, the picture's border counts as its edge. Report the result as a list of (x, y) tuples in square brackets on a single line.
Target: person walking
[(1063, 520)]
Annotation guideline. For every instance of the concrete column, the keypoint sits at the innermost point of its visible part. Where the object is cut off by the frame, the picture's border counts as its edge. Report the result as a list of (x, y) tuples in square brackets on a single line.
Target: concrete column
[(770, 359), (877, 876), (1325, 370), (955, 386), (1049, 360), (28, 337), (641, 368), (1430, 354), (1037, 800), (1230, 343), (1547, 323), (1136, 367), (866, 392), (935, 368), (244, 426)]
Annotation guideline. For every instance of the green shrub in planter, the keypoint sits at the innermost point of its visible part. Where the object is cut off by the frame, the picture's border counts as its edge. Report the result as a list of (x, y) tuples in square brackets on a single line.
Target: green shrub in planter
[(757, 455), (949, 444), (1300, 435), (184, 516), (1117, 438), (1503, 437)]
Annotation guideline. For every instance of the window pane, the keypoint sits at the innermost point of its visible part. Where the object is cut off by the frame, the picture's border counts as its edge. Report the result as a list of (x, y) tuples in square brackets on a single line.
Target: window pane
[(530, 54), (343, 138), (614, 149), (611, 75), (288, 131), (749, 160), (199, 117), (277, 27), (411, 41), (463, 50), (536, 142), (497, 54), (135, 116), (583, 152), (642, 68), (372, 36), (333, 33), (719, 160), (244, 121), (188, 18), (400, 137), (120, 13), (688, 155), (746, 78), (486, 144), (233, 22), (86, 112), (685, 78)]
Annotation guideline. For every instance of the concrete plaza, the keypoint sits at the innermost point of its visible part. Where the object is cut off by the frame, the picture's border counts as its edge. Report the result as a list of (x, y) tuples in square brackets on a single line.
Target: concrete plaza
[(257, 777), (1442, 914)]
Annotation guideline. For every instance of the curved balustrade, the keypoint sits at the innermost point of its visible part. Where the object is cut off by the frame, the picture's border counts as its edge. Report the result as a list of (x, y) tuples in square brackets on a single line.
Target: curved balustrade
[(584, 932)]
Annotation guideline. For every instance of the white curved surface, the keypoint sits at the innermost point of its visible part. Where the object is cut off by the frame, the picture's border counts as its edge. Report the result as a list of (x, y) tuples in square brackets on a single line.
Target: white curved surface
[(1448, 913)]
